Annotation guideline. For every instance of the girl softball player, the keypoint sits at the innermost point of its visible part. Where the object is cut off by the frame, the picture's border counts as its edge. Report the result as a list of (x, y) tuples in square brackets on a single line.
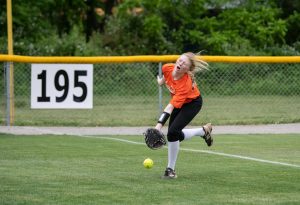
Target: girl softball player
[(185, 104)]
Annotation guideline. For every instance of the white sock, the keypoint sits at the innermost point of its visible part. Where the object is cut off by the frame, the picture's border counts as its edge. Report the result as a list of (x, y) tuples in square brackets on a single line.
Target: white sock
[(173, 149), (189, 133)]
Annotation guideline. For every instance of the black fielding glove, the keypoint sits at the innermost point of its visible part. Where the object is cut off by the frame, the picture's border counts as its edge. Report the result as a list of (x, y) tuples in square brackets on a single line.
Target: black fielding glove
[(154, 138)]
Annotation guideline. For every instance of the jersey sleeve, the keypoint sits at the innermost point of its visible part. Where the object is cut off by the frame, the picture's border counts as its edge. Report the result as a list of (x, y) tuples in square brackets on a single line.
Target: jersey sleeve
[(167, 69)]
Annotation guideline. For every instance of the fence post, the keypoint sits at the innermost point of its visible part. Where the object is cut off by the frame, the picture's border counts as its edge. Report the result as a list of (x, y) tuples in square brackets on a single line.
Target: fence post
[(10, 66), (159, 91), (7, 91)]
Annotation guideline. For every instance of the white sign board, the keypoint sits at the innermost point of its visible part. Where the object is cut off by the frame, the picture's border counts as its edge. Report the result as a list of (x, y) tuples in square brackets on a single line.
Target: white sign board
[(62, 86)]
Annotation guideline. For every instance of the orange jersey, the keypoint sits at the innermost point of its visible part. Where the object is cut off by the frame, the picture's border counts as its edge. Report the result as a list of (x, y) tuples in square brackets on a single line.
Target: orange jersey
[(182, 90)]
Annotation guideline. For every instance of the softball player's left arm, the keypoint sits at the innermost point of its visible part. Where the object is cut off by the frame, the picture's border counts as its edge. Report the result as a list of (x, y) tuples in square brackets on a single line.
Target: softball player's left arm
[(177, 101), (164, 116)]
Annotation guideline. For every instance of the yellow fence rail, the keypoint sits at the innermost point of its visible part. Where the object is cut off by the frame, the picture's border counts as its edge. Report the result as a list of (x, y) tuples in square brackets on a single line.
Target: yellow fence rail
[(146, 58)]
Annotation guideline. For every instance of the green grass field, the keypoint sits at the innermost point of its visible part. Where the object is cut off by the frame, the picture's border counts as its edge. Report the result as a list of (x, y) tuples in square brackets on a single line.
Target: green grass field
[(108, 170), (143, 111)]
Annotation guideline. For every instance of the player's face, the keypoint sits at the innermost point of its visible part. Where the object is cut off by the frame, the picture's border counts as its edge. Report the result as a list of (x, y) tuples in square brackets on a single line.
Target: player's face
[(183, 64)]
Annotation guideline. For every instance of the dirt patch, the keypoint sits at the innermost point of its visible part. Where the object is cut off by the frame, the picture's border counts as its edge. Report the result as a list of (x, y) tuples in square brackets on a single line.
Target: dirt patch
[(293, 128)]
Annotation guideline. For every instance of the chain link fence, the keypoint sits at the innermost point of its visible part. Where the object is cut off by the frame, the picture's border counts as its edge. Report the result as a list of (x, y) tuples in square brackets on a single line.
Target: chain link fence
[(126, 94)]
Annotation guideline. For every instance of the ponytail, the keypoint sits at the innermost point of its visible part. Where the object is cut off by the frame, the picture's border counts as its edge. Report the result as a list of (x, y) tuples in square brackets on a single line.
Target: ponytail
[(197, 64)]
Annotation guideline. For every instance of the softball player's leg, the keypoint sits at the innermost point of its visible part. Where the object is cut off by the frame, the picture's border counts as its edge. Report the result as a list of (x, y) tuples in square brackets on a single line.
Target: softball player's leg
[(173, 149), (178, 120), (204, 132)]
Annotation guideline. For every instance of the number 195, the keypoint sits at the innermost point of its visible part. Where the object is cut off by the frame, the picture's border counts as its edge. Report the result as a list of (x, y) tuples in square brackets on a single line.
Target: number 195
[(62, 85)]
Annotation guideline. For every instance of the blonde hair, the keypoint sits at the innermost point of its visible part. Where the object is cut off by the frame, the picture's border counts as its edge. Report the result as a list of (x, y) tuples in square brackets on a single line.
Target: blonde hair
[(197, 64)]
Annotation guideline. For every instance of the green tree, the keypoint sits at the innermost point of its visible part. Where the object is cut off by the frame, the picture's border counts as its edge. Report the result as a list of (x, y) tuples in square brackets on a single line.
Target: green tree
[(223, 27)]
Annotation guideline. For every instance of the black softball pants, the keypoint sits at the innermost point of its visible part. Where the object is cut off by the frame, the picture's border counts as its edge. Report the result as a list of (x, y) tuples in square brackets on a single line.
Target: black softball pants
[(181, 117)]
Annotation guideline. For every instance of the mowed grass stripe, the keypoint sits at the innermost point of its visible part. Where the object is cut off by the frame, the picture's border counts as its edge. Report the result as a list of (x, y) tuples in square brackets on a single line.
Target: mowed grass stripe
[(202, 151)]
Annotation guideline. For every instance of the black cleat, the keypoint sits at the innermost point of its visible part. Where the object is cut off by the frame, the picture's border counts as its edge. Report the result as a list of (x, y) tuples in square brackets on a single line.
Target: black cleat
[(169, 174)]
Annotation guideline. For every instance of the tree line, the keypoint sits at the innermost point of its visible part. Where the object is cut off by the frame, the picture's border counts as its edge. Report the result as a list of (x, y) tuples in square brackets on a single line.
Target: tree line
[(143, 27)]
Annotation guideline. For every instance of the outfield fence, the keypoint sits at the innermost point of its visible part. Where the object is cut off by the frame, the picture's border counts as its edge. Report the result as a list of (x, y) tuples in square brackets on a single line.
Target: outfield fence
[(236, 90)]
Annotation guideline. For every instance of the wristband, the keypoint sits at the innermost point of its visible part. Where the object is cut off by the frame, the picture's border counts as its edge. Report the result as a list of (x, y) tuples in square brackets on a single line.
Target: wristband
[(163, 118)]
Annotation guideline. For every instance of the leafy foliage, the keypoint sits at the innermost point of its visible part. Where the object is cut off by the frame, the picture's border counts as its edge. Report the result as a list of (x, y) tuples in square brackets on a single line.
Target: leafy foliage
[(132, 27)]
